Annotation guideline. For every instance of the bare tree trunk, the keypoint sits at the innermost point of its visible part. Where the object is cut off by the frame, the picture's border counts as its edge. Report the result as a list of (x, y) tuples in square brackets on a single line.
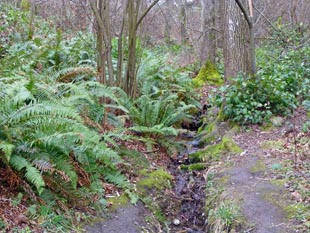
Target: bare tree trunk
[(101, 10), (166, 14), (134, 21), (130, 81), (32, 14), (208, 43), (183, 19), (238, 40)]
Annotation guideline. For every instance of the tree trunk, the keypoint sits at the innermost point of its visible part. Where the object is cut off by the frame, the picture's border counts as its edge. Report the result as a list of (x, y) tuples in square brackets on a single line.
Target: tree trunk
[(183, 19), (208, 39), (101, 10), (236, 40)]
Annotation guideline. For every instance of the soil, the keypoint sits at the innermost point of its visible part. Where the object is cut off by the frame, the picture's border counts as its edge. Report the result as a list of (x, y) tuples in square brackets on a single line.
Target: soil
[(127, 219)]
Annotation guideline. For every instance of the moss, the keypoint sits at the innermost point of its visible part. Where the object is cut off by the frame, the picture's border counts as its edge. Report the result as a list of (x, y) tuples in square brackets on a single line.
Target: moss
[(272, 144), (267, 126), (278, 182), (277, 121), (117, 202), (207, 140), (194, 167), (280, 201), (235, 129), (25, 5), (159, 179), (258, 167), (292, 211), (230, 145), (208, 73), (214, 152), (223, 180), (211, 152), (209, 133)]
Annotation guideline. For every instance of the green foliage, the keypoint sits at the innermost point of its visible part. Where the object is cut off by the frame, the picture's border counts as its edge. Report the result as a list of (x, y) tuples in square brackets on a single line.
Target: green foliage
[(224, 216), (40, 130), (157, 77), (255, 100), (281, 84)]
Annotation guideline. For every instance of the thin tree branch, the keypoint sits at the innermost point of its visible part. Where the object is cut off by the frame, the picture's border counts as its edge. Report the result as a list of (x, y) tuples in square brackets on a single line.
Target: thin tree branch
[(96, 12), (246, 15), (265, 17), (145, 13)]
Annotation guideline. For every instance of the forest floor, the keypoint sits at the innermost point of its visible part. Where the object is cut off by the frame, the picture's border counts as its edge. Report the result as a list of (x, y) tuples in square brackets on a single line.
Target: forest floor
[(267, 183)]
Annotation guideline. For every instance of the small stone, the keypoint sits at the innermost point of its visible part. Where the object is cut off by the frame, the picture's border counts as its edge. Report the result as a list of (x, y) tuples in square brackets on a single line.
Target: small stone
[(277, 121), (292, 190), (286, 185), (176, 222)]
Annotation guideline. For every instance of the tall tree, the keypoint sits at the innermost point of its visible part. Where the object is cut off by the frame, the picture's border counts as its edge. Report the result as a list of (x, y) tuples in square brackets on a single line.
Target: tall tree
[(238, 38), (183, 22), (207, 39)]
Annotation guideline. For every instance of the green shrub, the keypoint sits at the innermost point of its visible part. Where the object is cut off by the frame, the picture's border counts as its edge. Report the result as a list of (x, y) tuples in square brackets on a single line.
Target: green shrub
[(282, 83)]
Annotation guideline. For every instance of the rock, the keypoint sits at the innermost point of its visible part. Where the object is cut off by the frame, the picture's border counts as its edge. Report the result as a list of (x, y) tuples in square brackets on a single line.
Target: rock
[(176, 222), (277, 121)]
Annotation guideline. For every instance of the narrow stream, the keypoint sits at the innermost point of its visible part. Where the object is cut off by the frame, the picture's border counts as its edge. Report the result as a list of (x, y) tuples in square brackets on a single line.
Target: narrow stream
[(190, 190)]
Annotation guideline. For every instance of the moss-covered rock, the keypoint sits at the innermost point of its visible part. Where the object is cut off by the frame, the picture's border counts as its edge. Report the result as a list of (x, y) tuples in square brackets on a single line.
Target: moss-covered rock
[(259, 166), (208, 74), (117, 202), (159, 179), (209, 134), (194, 166), (230, 145), (214, 152)]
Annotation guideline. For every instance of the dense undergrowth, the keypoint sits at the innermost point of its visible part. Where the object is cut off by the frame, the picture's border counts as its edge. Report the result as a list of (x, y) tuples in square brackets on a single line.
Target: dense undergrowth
[(281, 84), (60, 143)]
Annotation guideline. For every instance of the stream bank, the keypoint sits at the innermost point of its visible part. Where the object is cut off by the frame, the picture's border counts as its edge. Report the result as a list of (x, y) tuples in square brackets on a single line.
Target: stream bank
[(234, 191)]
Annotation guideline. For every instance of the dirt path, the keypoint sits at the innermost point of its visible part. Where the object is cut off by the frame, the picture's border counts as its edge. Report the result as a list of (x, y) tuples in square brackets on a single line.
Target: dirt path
[(127, 219), (262, 203)]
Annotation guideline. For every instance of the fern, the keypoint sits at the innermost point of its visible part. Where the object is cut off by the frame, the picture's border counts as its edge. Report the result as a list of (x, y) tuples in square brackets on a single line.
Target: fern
[(32, 174), (7, 149)]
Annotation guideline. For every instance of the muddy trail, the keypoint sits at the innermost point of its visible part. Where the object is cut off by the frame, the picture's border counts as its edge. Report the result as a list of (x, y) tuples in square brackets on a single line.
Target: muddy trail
[(246, 180)]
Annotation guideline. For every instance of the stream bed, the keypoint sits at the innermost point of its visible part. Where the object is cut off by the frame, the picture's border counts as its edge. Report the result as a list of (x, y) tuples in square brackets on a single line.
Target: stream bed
[(189, 190)]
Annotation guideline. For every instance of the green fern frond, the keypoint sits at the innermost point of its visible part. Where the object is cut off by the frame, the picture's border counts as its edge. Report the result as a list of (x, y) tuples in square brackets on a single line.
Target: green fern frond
[(7, 149), (32, 174), (116, 177)]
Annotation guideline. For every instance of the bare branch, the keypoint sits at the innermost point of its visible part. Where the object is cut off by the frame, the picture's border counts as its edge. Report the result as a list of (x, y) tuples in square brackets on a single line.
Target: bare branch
[(246, 15), (145, 13)]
